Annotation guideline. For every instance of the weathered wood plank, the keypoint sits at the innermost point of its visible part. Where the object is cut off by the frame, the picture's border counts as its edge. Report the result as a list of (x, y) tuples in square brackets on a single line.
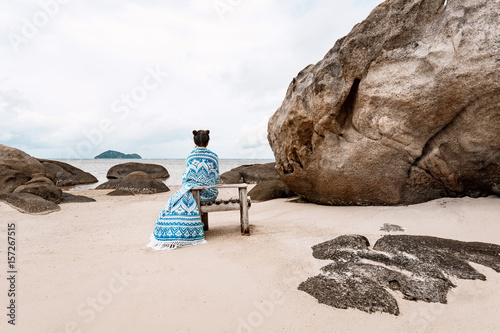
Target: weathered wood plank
[(204, 220), (245, 227)]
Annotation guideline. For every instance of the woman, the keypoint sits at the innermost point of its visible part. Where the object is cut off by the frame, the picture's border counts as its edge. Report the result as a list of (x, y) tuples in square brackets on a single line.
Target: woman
[(179, 223)]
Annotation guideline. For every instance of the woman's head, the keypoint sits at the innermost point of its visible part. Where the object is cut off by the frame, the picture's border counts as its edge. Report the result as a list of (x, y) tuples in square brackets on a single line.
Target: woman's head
[(201, 138)]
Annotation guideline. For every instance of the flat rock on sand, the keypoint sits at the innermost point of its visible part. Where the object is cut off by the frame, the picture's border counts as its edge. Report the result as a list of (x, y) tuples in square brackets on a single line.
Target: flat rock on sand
[(70, 198), (29, 203), (416, 266)]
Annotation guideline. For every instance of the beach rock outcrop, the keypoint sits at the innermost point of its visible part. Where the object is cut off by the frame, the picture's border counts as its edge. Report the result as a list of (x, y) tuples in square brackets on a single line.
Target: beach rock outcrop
[(404, 109), (250, 174), (110, 184), (17, 168), (271, 189), (68, 175), (29, 203), (71, 198), (47, 191), (29, 184), (121, 170), (415, 266), (138, 182), (25, 183)]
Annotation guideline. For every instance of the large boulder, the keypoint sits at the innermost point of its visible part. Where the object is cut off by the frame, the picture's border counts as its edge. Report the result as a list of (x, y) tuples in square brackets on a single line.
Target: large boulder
[(250, 174), (68, 175), (29, 184), (139, 182), (404, 109), (17, 168), (121, 170)]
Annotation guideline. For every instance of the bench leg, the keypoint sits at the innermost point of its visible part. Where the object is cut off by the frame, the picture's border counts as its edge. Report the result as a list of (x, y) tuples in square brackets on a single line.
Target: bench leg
[(245, 228), (204, 220)]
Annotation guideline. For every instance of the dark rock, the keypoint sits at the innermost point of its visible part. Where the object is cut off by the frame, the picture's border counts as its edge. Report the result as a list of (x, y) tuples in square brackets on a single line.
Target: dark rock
[(109, 185), (121, 192), (70, 198), (496, 189), (344, 292), (47, 191), (269, 190), (250, 174), (139, 182), (29, 203), (404, 109), (37, 178), (451, 256), (416, 266), (68, 175), (17, 168), (121, 170)]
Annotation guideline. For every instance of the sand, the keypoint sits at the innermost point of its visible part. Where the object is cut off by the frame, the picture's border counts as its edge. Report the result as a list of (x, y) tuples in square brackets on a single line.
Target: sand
[(86, 268)]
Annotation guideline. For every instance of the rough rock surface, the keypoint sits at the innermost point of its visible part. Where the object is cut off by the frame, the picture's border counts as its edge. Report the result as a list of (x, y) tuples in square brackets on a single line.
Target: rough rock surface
[(250, 174), (139, 182), (25, 183), (110, 184), (416, 266), (71, 198), (29, 203), (17, 168), (68, 175), (269, 190), (404, 109), (121, 170), (44, 190), (120, 193)]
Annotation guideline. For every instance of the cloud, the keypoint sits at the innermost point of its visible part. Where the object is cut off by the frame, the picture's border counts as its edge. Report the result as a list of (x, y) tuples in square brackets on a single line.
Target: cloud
[(227, 75)]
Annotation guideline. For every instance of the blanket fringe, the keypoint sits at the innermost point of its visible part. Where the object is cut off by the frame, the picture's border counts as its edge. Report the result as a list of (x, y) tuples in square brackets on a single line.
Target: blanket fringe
[(171, 245)]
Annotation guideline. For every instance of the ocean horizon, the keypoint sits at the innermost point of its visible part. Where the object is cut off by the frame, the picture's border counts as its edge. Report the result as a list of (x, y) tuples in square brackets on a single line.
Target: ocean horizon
[(175, 167)]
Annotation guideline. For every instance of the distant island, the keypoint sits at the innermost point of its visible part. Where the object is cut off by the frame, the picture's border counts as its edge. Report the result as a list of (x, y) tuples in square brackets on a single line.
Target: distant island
[(117, 154)]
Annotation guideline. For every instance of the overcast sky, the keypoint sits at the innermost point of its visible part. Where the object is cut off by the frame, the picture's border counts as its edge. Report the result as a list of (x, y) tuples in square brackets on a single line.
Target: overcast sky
[(81, 77)]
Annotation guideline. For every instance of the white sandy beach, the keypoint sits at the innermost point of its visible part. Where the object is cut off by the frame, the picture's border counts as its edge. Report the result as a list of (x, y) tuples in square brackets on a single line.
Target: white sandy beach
[(86, 268)]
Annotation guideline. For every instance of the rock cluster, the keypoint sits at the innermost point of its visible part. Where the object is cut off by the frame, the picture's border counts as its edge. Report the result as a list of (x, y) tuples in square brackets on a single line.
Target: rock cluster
[(418, 267), (269, 185), (30, 185), (250, 174), (269, 190), (404, 109)]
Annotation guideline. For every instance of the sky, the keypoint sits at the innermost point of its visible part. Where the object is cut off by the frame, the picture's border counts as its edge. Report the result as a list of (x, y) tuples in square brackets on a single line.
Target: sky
[(81, 77)]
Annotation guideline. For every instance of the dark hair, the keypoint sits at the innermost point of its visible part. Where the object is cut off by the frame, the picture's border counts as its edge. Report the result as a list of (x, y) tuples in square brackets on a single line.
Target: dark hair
[(201, 138)]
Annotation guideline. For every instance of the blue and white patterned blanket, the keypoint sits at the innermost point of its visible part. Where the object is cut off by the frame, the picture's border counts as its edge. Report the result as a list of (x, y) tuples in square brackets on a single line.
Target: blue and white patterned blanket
[(179, 223)]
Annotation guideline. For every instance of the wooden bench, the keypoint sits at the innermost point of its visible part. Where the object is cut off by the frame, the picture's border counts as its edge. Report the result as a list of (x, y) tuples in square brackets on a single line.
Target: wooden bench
[(241, 203)]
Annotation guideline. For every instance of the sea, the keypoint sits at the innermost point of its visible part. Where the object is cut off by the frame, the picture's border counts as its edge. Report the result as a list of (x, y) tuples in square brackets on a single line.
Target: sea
[(99, 168)]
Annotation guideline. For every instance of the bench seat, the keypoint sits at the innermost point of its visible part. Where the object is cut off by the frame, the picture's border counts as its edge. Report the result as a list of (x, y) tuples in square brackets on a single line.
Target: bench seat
[(241, 203)]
